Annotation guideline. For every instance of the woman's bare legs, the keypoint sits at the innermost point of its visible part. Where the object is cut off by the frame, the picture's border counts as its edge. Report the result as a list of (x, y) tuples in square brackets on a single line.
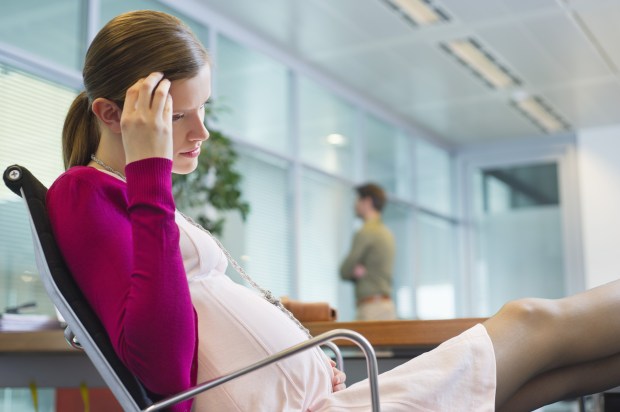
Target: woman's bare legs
[(533, 336), (565, 383)]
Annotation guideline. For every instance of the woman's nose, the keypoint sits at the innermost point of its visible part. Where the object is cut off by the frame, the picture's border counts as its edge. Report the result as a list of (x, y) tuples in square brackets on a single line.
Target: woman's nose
[(199, 131)]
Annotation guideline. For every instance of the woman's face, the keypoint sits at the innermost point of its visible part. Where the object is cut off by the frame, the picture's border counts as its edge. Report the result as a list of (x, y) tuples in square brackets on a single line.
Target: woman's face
[(189, 97)]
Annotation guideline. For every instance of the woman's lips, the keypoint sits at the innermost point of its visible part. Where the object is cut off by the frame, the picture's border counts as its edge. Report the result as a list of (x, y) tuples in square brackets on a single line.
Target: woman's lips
[(192, 153)]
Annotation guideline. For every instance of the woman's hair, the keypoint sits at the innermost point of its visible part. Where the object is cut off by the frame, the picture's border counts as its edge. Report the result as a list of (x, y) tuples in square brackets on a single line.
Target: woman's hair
[(128, 48)]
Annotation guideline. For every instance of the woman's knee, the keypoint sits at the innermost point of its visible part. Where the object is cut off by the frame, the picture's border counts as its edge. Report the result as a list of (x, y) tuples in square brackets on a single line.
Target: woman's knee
[(531, 312)]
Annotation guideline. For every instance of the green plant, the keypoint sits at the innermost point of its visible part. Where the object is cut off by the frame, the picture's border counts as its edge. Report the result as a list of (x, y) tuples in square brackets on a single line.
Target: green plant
[(214, 186)]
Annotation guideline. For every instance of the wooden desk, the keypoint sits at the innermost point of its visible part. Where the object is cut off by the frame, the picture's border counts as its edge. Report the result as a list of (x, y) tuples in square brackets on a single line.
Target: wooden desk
[(43, 356), (400, 333), (40, 341), (393, 333)]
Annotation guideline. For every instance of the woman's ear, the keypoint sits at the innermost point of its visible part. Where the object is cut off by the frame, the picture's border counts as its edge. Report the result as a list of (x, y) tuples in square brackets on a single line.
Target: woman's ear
[(108, 113)]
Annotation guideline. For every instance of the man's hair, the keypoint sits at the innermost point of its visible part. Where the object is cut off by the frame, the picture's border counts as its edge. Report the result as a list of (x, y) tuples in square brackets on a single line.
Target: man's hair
[(374, 192)]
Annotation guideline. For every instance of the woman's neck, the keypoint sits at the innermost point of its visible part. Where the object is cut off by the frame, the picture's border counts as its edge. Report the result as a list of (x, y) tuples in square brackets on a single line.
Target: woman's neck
[(111, 153)]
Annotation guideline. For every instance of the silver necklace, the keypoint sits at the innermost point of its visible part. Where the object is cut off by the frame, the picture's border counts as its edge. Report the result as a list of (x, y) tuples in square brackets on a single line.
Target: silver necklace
[(267, 295), (106, 167)]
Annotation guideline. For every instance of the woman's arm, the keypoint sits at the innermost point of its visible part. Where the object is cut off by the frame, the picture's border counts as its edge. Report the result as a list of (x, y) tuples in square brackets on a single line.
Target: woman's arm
[(122, 248)]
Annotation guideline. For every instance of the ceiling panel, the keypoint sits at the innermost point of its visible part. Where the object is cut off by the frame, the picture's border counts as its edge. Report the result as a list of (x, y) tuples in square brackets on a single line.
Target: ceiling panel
[(545, 49), (564, 43), (409, 74), (566, 51), (375, 17), (603, 24), (321, 29), (476, 120), (471, 11), (589, 104), (430, 84), (275, 20)]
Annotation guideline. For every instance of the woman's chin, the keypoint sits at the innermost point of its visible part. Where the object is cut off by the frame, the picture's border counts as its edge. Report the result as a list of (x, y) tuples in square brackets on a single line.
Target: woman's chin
[(185, 167)]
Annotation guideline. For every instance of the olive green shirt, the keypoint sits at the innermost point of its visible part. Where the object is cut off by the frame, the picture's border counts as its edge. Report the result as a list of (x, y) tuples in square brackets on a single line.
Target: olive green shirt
[(374, 248)]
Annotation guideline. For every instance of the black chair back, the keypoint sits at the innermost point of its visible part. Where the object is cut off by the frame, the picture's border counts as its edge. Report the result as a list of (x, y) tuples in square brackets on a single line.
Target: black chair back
[(68, 298)]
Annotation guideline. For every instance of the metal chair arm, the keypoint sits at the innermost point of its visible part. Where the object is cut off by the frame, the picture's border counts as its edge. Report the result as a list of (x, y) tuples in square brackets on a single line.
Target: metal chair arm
[(337, 354), (362, 342), (71, 339)]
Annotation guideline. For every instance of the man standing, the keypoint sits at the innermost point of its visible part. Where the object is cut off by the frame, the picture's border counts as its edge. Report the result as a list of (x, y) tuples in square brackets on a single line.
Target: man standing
[(371, 259)]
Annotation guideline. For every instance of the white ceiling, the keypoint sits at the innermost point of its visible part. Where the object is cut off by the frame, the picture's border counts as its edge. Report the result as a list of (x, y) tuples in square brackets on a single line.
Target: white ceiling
[(565, 52)]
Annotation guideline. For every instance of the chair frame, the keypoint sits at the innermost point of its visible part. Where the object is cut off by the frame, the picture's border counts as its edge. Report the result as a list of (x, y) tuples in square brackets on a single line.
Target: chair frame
[(86, 333)]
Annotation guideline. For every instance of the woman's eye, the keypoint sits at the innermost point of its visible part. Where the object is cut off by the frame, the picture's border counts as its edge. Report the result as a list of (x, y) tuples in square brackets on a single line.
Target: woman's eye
[(176, 117)]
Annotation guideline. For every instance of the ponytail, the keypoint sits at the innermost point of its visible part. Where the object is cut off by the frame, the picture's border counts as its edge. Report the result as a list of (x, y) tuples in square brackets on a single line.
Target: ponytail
[(80, 133)]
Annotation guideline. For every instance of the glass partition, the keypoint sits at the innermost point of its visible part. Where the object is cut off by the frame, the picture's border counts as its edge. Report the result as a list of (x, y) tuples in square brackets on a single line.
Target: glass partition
[(381, 147), (437, 264), (519, 239), (253, 95), (433, 181), (264, 243), (112, 8), (32, 112), (324, 238), (399, 218), (51, 30), (328, 130)]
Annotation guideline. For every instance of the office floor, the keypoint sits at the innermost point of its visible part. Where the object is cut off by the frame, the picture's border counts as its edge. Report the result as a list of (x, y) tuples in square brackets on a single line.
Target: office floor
[(20, 400), (51, 400)]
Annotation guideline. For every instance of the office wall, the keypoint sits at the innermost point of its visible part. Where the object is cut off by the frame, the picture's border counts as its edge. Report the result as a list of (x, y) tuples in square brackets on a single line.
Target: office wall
[(599, 182)]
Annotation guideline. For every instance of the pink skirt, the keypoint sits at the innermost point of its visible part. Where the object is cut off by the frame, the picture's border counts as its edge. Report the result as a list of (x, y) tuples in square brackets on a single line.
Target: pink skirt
[(459, 375)]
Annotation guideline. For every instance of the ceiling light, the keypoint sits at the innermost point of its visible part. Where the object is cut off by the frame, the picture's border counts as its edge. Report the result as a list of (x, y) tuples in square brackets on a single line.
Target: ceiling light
[(470, 53), (540, 113), (419, 11), (336, 139)]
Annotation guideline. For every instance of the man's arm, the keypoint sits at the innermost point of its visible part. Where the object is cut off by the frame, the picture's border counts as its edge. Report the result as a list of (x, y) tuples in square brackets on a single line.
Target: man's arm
[(354, 258)]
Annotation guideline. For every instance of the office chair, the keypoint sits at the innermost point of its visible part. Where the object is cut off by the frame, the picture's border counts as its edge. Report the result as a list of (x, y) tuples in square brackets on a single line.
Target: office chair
[(85, 331)]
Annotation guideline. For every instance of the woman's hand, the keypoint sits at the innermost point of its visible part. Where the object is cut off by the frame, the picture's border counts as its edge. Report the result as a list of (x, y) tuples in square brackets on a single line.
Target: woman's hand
[(338, 378), (146, 120)]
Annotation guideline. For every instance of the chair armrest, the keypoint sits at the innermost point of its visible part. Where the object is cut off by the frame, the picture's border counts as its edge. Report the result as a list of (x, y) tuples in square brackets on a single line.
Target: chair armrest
[(72, 339), (362, 342), (337, 354)]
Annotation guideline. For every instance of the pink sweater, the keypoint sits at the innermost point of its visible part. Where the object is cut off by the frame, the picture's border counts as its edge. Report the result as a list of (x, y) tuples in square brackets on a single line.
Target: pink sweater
[(121, 244)]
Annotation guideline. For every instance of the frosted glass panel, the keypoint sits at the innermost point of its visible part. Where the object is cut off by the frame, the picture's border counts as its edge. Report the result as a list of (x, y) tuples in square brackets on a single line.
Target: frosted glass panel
[(399, 219), (328, 130), (433, 180), (381, 141), (264, 243), (437, 268), (112, 8), (31, 138), (518, 232), (51, 30), (404, 163), (253, 90), (520, 256), (325, 230)]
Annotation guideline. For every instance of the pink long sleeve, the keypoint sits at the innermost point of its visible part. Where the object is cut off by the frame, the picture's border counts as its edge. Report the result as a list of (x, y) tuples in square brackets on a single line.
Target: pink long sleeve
[(121, 244)]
